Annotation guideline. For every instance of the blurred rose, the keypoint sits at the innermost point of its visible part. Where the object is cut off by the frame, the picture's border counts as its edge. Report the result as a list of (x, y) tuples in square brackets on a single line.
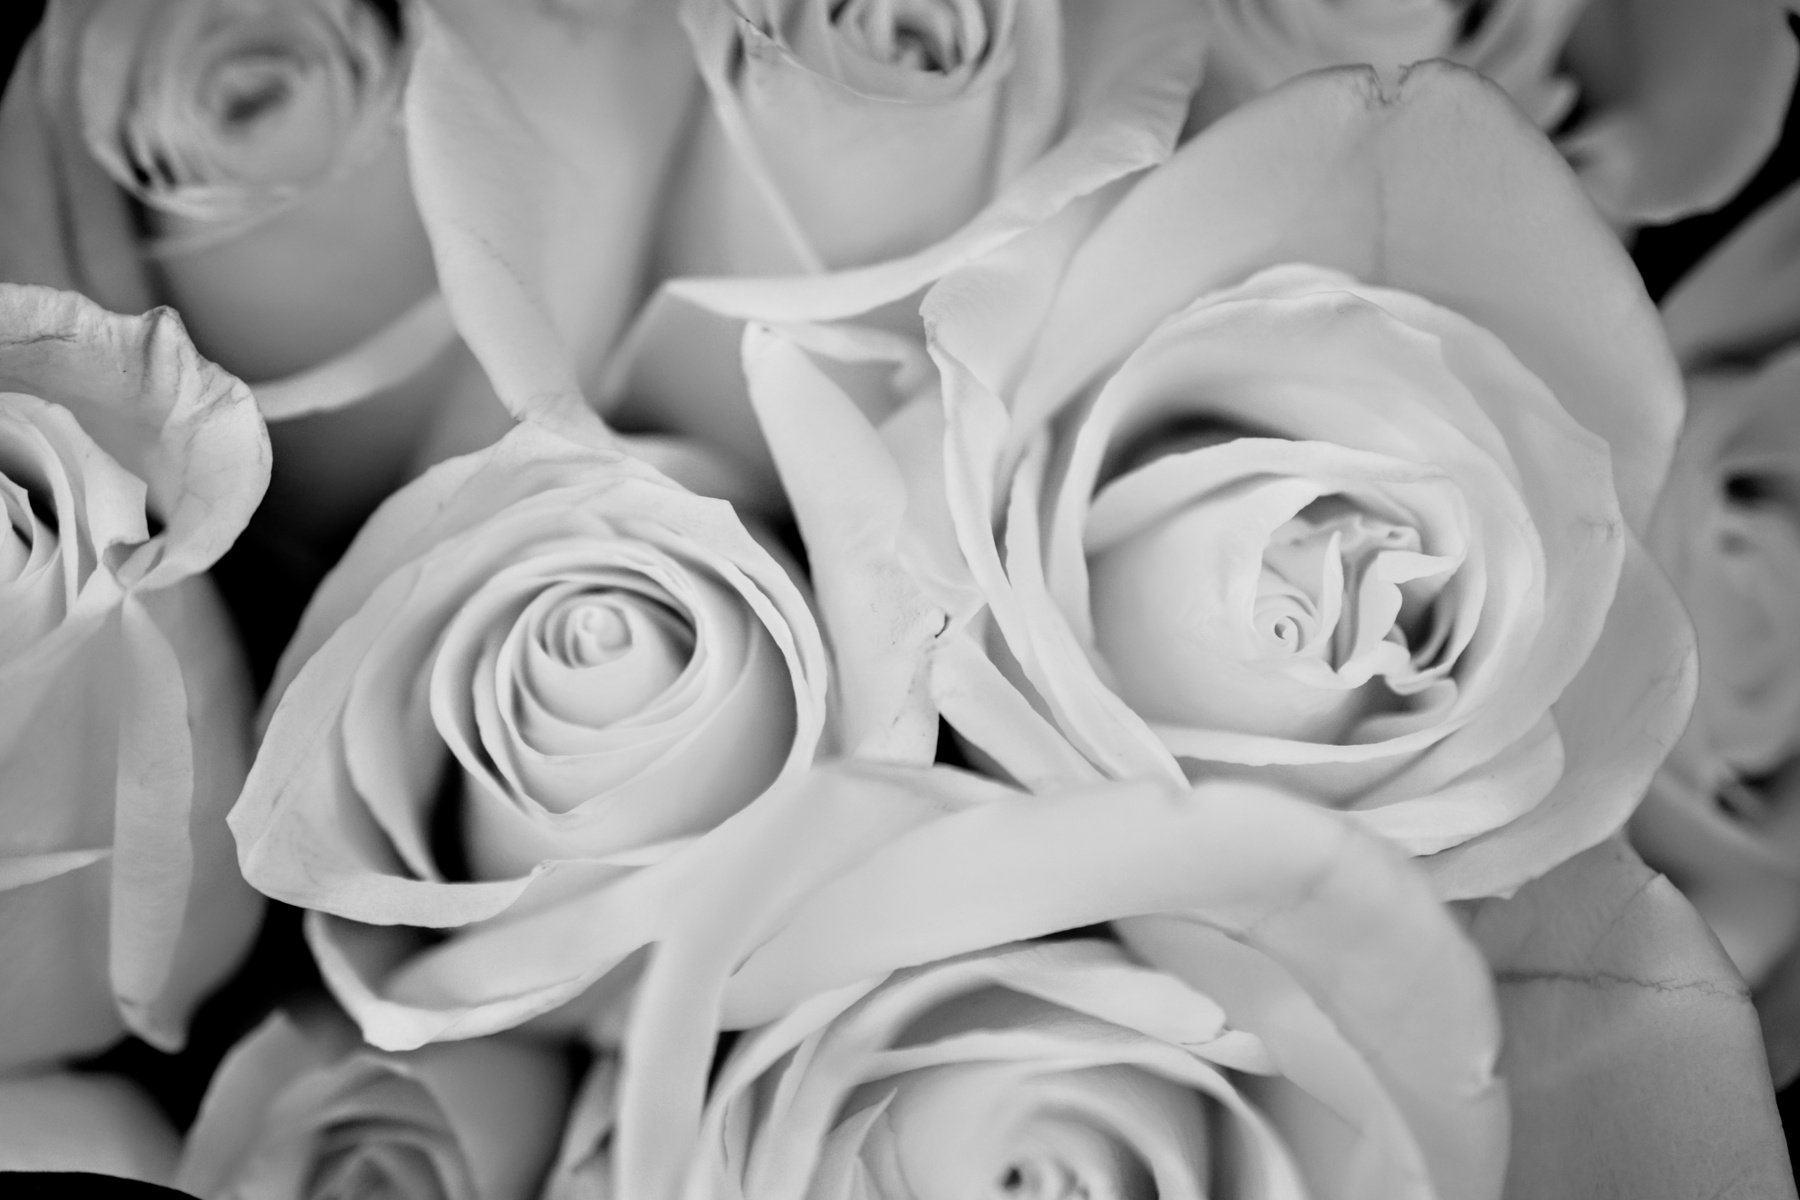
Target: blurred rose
[(300, 1110), (539, 674), (1723, 819), (1308, 462), (127, 466), (1293, 1014), (242, 160), (846, 156), (1665, 107), (91, 1123)]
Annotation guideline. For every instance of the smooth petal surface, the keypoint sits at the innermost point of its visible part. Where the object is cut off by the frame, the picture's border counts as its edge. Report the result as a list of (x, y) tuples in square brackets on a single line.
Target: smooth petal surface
[(1743, 300), (1632, 1053), (540, 137), (92, 1123), (1400, 186), (1683, 101), (1265, 869)]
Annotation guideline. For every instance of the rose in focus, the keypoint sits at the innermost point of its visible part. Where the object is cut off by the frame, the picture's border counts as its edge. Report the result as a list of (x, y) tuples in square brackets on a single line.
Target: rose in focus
[(1291, 1011), (540, 674), (1664, 107), (300, 1110), (1301, 464), (127, 465)]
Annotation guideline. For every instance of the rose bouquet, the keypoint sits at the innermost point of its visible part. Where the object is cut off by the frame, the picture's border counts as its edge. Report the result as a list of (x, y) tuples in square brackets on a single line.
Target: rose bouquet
[(899, 599)]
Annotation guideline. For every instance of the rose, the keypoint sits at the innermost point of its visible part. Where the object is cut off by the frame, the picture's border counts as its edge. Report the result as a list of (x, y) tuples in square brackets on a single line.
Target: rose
[(846, 156), (1356, 524), (91, 1123), (539, 675), (1719, 817), (127, 466), (300, 1109), (242, 160), (1267, 937), (1665, 109), (1254, 924)]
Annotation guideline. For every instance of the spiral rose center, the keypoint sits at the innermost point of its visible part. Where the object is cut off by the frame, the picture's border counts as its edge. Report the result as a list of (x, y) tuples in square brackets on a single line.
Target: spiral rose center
[(937, 36), (1233, 614), (375, 1170)]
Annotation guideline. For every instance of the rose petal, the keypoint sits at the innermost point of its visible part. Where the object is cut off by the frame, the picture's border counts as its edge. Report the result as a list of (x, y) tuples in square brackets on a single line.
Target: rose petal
[(1741, 301), (91, 1123), (1611, 987)]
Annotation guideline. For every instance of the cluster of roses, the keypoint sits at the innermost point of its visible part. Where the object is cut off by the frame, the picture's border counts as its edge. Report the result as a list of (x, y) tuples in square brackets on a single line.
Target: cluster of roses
[(949, 598)]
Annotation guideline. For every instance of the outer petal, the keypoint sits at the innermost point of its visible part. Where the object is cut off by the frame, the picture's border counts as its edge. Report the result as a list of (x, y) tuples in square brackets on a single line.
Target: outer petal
[(90, 1123), (1743, 300), (540, 136), (1288, 878), (1684, 101), (1422, 186), (1631, 1049), (138, 388)]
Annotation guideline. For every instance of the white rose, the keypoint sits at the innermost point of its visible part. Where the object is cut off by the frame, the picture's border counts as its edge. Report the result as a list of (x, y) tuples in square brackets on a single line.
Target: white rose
[(300, 1110), (243, 161), (538, 678), (128, 464)]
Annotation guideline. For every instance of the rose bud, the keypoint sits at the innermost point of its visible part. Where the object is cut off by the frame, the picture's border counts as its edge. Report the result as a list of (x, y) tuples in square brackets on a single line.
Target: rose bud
[(127, 465), (95, 1124), (301, 1110), (844, 156), (537, 679), (1236, 490), (243, 161), (1723, 818), (1664, 107)]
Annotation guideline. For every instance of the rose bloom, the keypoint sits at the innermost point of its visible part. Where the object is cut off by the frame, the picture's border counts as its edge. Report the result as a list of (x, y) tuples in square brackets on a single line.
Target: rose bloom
[(243, 161), (1664, 109), (127, 465), (842, 158), (1722, 816), (300, 1110), (538, 677), (1307, 463), (1291, 1011), (1280, 1007)]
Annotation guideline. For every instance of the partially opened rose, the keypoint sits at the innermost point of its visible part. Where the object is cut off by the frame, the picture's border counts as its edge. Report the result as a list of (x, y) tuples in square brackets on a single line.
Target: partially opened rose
[(843, 157), (539, 675), (1292, 1012), (1310, 462), (242, 160), (1665, 107), (300, 1110), (1721, 818), (128, 464)]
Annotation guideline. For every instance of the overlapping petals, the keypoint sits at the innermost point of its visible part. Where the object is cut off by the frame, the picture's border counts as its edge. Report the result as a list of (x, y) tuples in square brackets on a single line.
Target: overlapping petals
[(1248, 1039), (844, 157), (540, 674), (127, 466), (300, 1110), (1665, 108)]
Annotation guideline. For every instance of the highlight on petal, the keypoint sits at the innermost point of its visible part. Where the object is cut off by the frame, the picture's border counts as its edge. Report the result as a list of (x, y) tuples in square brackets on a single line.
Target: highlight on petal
[(973, 869), (542, 674), (1611, 988), (299, 1107)]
